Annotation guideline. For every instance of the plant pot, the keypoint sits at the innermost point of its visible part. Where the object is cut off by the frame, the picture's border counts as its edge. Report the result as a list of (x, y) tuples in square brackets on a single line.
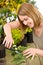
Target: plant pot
[(29, 36), (2, 52), (23, 42), (2, 48)]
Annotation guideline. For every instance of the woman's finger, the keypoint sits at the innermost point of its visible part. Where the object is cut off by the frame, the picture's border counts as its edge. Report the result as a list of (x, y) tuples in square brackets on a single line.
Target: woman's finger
[(10, 44), (33, 57), (6, 44), (29, 56), (26, 53), (4, 41)]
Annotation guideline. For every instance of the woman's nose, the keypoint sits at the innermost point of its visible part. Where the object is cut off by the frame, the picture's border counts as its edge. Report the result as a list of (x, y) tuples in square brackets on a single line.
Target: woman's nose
[(25, 23)]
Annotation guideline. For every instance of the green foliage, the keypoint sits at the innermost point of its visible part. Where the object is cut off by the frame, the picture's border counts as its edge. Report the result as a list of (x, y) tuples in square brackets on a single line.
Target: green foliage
[(18, 58), (31, 1), (9, 6), (5, 13), (4, 10), (17, 35), (1, 0), (1, 29), (28, 30), (21, 48), (1, 34)]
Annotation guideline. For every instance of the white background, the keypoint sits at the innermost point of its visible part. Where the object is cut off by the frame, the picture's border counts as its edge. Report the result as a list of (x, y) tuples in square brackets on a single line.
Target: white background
[(39, 4)]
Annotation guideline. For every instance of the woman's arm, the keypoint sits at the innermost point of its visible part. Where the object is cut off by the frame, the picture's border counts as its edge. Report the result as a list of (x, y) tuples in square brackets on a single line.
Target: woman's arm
[(9, 26), (8, 40), (40, 52)]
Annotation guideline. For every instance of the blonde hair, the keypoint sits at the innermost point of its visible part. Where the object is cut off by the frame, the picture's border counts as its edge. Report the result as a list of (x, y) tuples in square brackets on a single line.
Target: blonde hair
[(31, 11)]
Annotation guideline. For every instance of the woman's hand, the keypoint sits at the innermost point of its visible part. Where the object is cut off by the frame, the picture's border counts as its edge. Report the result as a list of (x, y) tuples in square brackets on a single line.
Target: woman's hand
[(8, 41), (30, 52)]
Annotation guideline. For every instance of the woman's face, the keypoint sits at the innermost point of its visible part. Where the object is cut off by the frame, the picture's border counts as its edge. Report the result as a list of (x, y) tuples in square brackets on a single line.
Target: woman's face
[(27, 21)]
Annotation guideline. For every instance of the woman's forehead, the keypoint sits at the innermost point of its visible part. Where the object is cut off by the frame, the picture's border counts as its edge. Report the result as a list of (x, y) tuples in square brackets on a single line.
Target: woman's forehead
[(23, 16)]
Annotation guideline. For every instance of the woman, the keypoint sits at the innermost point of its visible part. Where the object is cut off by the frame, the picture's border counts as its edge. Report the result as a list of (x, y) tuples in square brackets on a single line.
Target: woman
[(28, 16)]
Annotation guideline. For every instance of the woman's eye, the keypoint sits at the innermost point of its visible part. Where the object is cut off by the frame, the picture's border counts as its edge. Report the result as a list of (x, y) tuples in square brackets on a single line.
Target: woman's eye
[(25, 19)]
